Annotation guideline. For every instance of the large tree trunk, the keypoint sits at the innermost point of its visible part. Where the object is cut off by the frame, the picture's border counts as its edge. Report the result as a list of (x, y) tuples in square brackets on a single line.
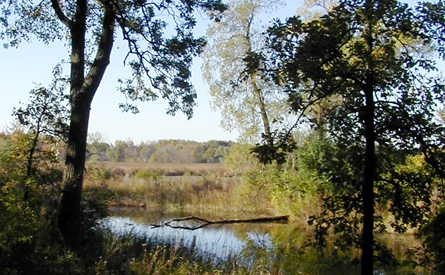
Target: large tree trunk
[(368, 189), (367, 260), (69, 208), (83, 90), (70, 204)]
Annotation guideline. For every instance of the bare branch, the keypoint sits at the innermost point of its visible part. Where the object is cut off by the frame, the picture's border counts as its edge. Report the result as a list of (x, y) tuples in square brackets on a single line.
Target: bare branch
[(200, 222)]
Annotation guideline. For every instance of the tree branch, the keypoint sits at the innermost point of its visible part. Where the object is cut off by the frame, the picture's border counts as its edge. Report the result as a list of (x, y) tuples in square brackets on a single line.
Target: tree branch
[(102, 58), (62, 17), (175, 223)]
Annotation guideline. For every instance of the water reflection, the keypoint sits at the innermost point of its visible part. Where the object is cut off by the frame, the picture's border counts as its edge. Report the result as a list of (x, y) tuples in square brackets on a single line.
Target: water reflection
[(278, 248), (219, 241)]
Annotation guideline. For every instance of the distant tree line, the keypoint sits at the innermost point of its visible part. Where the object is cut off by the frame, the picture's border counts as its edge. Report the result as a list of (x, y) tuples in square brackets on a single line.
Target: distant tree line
[(162, 151)]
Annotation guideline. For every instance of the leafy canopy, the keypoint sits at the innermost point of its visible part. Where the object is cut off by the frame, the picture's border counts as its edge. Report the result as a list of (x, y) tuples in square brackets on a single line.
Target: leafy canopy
[(374, 63), (158, 35)]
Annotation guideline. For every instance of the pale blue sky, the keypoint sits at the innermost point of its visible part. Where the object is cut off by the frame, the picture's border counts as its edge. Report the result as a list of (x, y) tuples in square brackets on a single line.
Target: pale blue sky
[(32, 63)]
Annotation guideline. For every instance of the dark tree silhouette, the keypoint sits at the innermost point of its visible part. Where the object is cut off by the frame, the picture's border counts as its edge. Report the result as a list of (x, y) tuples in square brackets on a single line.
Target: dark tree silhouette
[(372, 56)]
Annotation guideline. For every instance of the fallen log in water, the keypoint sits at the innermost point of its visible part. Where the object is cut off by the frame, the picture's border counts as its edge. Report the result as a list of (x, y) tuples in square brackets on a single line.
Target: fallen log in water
[(200, 222)]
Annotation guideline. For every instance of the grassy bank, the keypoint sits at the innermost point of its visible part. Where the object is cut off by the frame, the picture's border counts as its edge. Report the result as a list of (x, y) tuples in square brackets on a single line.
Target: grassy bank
[(170, 187), (168, 169)]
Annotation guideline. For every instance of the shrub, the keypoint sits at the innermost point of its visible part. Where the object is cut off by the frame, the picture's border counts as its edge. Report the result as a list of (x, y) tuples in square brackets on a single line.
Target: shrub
[(434, 234)]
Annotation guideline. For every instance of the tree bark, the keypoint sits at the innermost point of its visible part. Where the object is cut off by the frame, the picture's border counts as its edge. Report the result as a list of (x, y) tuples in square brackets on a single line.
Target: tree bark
[(173, 223), (367, 260), (70, 203), (263, 111), (82, 92), (257, 92), (368, 189)]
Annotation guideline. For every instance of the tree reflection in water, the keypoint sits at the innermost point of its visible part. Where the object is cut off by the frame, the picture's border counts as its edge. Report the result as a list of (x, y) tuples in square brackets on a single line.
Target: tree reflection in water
[(278, 248)]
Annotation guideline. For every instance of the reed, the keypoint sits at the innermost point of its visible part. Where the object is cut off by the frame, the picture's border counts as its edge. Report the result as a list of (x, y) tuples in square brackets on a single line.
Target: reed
[(168, 169), (130, 254), (169, 187), (208, 191)]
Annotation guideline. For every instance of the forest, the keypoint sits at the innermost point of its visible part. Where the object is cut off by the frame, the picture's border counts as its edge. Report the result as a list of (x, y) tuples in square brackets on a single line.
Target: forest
[(341, 121), (163, 151)]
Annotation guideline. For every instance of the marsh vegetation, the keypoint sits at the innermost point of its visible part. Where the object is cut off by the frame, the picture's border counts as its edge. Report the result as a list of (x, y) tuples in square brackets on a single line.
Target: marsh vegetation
[(142, 195)]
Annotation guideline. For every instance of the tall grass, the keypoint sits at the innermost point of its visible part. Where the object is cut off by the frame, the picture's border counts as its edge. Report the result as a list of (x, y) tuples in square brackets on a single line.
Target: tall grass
[(135, 255), (168, 169), (185, 187)]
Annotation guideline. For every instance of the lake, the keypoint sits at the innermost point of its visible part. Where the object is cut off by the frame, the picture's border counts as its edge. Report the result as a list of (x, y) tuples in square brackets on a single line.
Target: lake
[(273, 244), (215, 240)]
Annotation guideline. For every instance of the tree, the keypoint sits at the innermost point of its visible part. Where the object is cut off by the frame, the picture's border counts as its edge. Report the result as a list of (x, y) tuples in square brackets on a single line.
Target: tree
[(311, 9), (116, 152), (90, 28), (376, 57), (97, 147), (46, 114), (247, 100), (146, 150)]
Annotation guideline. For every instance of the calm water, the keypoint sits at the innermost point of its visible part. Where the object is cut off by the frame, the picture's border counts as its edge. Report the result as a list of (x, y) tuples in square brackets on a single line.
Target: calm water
[(219, 241), (279, 243)]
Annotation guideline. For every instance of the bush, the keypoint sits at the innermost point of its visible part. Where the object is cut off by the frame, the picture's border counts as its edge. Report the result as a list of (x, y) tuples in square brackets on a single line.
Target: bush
[(434, 234)]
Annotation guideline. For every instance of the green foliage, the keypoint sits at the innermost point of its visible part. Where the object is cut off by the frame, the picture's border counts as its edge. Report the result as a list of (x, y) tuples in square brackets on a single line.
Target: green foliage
[(29, 243), (212, 151), (26, 246), (116, 152), (47, 111), (147, 174), (371, 61), (239, 159), (8, 159), (163, 151), (14, 157), (413, 190), (5, 148), (97, 147), (435, 240), (245, 97), (100, 174)]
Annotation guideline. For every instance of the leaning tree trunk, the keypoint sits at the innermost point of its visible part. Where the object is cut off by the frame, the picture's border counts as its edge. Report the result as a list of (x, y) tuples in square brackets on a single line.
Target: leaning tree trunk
[(257, 92), (260, 100), (29, 170)]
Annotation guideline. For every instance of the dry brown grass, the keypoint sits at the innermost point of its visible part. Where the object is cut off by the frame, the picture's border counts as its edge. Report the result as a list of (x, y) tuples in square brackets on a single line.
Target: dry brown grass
[(169, 187), (169, 169)]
